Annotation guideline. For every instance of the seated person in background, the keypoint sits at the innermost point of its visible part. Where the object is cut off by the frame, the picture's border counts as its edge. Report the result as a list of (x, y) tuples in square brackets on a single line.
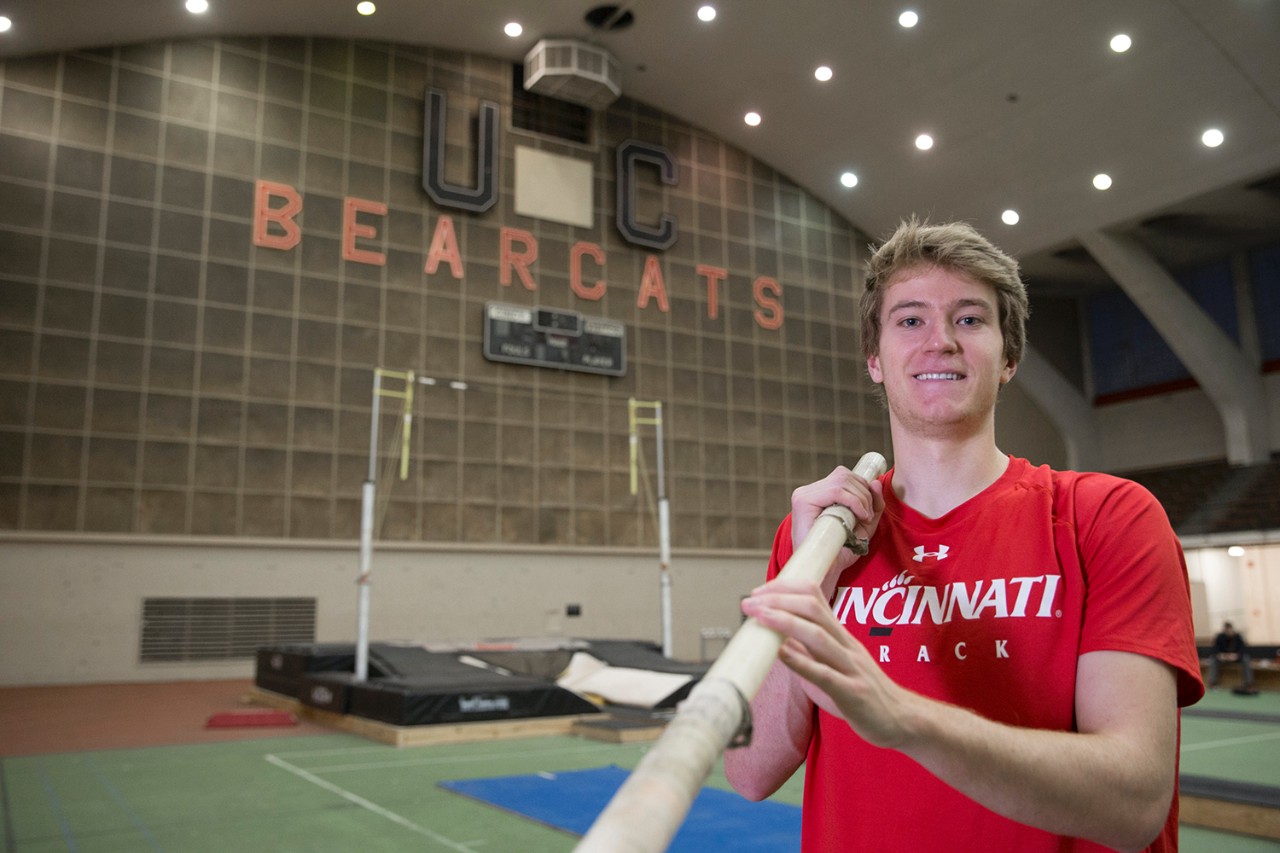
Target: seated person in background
[(1229, 647)]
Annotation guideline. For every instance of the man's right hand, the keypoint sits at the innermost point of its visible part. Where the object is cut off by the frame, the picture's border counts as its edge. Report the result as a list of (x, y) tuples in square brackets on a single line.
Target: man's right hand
[(864, 499)]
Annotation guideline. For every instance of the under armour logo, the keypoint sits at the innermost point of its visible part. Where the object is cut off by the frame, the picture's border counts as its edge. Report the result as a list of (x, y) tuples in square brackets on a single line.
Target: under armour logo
[(921, 553)]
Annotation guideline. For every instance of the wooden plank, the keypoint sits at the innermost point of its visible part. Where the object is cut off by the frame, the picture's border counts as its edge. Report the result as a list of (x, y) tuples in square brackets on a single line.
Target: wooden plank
[(612, 730), (1230, 817)]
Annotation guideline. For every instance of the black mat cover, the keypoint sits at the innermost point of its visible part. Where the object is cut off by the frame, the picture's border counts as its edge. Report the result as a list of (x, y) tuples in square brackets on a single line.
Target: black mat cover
[(442, 689), (282, 668), (639, 654), (328, 691)]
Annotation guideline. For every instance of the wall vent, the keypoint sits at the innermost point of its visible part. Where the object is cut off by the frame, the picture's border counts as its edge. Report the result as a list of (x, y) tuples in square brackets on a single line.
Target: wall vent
[(546, 115), (573, 71), (208, 629)]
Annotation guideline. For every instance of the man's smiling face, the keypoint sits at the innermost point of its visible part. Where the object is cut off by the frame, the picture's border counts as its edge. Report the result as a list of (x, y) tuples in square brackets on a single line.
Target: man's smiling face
[(941, 353)]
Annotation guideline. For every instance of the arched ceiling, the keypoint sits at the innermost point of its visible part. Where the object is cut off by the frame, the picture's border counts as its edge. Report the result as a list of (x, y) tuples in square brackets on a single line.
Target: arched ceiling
[(1026, 101)]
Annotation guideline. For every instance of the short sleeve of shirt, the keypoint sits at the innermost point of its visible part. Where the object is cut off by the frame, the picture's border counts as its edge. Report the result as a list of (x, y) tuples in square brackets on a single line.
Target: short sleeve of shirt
[(781, 551), (1138, 595)]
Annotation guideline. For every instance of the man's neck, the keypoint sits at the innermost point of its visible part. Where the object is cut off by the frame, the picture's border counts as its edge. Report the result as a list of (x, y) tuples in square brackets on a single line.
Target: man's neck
[(935, 475)]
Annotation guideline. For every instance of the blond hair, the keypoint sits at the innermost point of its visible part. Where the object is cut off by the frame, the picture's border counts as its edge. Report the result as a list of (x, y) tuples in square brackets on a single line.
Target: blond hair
[(954, 246)]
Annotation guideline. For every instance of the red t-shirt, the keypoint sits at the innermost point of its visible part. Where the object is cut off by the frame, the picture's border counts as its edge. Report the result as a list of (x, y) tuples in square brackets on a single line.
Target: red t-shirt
[(989, 607)]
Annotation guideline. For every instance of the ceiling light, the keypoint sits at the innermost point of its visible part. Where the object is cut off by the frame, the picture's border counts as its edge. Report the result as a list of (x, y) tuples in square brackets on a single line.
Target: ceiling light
[(513, 29), (366, 8), (1009, 217), (849, 179), (924, 142), (908, 19), (823, 73), (1212, 137), (1121, 43), (1235, 551), (197, 7), (5, 24), (1102, 181), (752, 118), (706, 14)]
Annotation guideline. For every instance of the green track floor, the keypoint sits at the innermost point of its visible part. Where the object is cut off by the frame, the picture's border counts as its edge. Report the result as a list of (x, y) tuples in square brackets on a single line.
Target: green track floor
[(342, 793)]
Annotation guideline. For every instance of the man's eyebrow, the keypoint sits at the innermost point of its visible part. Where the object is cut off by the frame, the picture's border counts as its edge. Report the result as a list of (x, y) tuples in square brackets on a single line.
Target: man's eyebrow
[(907, 303), (973, 302), (915, 304)]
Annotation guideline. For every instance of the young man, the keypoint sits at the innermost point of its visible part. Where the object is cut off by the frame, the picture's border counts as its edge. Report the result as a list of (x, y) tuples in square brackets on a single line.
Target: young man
[(1003, 670)]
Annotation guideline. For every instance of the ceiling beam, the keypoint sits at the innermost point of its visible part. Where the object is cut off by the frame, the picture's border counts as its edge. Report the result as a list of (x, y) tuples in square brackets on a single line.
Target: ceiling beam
[(1223, 371), (1065, 406)]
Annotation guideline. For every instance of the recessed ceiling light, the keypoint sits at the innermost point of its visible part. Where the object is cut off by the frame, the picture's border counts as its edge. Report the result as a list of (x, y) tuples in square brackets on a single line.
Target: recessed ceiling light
[(1102, 181), (823, 73), (513, 29), (706, 14), (752, 118), (849, 179), (5, 24), (924, 142), (908, 19), (1212, 137), (366, 8), (1121, 43), (1235, 551), (1009, 217), (197, 7)]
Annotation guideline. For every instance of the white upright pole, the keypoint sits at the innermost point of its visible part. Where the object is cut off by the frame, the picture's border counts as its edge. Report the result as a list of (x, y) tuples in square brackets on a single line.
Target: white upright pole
[(664, 509), (366, 539), (664, 540)]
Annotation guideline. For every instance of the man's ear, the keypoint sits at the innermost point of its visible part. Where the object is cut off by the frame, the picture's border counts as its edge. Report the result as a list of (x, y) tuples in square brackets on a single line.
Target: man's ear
[(1010, 368), (873, 368)]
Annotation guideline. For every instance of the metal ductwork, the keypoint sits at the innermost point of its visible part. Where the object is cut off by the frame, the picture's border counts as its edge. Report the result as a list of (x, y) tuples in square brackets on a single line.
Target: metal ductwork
[(573, 71)]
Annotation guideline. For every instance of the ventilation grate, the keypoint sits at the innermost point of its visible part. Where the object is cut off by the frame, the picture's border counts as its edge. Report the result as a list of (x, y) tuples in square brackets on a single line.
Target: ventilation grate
[(206, 629), (573, 71), (547, 115)]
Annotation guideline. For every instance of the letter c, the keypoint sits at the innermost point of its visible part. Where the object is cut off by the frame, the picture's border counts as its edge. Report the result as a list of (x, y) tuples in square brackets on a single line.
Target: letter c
[(663, 235)]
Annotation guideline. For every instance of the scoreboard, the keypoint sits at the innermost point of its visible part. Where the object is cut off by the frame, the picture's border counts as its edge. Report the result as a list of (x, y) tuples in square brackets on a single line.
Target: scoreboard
[(547, 337)]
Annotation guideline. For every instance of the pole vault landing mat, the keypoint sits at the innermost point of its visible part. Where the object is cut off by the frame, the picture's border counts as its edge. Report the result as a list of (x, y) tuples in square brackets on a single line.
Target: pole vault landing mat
[(718, 820)]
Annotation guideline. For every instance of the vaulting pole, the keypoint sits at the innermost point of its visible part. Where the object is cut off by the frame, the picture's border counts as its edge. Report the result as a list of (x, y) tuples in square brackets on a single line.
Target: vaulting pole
[(646, 812)]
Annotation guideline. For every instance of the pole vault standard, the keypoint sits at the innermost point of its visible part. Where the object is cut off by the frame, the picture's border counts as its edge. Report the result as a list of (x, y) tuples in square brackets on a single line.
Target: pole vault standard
[(634, 406), (647, 810), (407, 380)]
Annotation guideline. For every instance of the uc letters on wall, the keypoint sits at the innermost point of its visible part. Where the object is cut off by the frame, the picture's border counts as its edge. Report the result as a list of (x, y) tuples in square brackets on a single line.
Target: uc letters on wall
[(277, 206)]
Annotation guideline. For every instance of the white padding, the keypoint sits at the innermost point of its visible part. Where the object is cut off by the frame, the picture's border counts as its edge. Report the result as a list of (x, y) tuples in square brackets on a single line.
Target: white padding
[(619, 685)]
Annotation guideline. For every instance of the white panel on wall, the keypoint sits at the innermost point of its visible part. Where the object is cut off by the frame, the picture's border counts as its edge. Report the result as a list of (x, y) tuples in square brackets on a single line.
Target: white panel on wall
[(1243, 590), (1260, 590), (1220, 574), (549, 186)]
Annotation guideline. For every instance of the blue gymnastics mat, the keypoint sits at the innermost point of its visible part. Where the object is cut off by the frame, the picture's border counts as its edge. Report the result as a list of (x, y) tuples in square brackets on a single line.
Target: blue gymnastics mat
[(570, 802)]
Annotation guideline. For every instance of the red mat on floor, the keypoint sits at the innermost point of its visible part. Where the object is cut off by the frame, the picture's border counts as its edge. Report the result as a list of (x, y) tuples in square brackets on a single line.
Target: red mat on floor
[(254, 717)]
